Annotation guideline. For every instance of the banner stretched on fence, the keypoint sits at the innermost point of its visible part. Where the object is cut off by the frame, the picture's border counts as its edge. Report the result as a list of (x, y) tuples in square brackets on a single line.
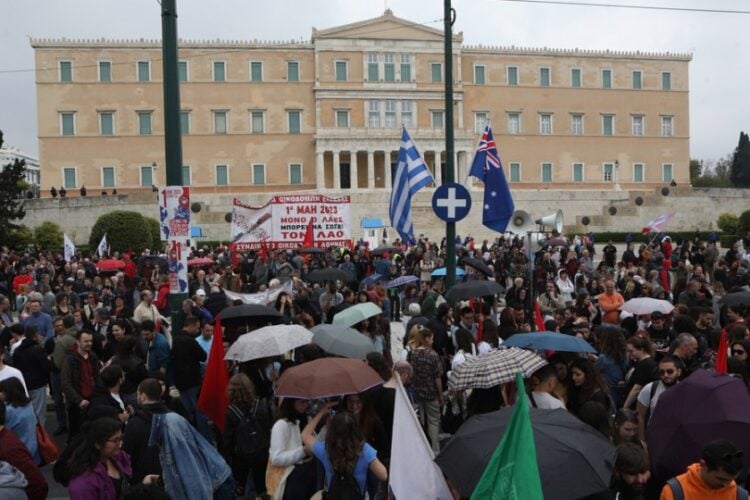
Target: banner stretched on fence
[(281, 223)]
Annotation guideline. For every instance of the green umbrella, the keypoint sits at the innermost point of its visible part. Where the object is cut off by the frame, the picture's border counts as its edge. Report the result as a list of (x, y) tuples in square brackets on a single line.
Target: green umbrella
[(356, 314), (341, 340)]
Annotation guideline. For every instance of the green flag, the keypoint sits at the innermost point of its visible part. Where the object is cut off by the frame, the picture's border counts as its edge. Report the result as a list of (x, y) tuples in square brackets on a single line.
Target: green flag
[(513, 472)]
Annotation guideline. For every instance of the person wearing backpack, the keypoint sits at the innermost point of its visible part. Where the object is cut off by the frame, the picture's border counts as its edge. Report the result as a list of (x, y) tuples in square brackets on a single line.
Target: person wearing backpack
[(247, 436), (345, 455)]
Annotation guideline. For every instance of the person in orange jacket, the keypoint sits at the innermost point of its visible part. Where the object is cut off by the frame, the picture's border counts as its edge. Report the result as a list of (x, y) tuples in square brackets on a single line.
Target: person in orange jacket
[(713, 477)]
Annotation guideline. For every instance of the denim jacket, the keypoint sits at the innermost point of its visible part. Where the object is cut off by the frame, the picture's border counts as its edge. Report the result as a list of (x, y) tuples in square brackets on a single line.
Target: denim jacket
[(191, 467)]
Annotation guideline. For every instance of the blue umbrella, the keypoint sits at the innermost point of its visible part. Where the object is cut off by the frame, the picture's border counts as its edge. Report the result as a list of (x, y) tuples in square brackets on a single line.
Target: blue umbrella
[(549, 340), (373, 278), (402, 280), (441, 271)]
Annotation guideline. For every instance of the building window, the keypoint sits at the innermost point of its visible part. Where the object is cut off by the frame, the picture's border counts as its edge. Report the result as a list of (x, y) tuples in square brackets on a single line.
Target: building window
[(390, 113), (667, 126), (144, 122), (666, 172), (222, 175), (576, 124), (220, 122), (294, 121), (341, 71), (66, 71), (257, 122), (514, 123), (295, 173), (545, 123), (608, 124), (407, 113), (342, 118), (256, 71), (546, 172), (575, 78), (69, 177), (389, 68), (515, 172), (259, 174), (479, 74), (292, 71), (105, 71), (182, 71), (437, 120), (406, 67), (220, 71), (511, 74), (373, 71), (608, 172), (373, 114), (436, 72), (606, 78), (184, 122), (186, 178), (108, 177), (107, 123), (480, 121), (68, 123), (638, 172), (666, 80), (637, 80), (636, 124), (544, 77), (147, 176), (144, 71), (578, 172)]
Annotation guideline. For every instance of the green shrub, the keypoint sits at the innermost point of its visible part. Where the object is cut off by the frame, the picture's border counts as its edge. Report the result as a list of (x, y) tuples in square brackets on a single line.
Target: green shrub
[(743, 226), (21, 238), (727, 240), (155, 229), (48, 236), (125, 231), (602, 237), (728, 223)]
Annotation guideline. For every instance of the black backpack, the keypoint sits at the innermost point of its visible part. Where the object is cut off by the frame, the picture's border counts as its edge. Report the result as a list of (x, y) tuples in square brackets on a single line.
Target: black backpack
[(253, 437), (343, 487)]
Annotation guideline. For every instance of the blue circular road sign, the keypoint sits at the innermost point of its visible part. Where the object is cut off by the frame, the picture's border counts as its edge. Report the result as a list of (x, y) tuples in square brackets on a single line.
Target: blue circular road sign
[(451, 202)]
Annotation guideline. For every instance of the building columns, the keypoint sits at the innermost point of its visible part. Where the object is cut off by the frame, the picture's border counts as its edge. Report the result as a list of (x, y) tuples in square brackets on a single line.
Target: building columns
[(370, 169), (337, 170), (438, 169), (387, 167), (353, 174), (320, 171)]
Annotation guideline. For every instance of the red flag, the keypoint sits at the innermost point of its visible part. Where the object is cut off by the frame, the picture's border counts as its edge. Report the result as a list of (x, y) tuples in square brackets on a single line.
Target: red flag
[(721, 354), (264, 251), (538, 318), (309, 240), (233, 249), (213, 401)]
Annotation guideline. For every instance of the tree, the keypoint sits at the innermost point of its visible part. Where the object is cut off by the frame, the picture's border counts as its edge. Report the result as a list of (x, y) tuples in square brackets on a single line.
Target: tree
[(49, 236), (743, 226), (125, 231), (155, 228), (12, 186), (728, 223), (712, 175), (696, 167), (739, 173)]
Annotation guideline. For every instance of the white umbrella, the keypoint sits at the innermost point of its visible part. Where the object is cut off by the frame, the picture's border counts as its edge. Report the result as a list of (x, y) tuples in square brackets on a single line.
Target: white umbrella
[(356, 314), (646, 305), (268, 341)]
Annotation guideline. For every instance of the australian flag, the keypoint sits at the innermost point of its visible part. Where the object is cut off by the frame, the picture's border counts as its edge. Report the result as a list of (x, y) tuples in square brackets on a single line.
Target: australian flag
[(498, 204)]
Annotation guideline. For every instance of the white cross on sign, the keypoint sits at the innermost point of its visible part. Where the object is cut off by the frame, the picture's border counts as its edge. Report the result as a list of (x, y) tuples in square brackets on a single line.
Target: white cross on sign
[(451, 203)]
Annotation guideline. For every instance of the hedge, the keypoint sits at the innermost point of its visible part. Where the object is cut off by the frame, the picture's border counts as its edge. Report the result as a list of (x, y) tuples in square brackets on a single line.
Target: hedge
[(125, 231), (638, 237)]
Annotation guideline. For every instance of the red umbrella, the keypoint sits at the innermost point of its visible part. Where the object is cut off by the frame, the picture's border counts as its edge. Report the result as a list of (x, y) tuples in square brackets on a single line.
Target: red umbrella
[(327, 377), (110, 265), (201, 261)]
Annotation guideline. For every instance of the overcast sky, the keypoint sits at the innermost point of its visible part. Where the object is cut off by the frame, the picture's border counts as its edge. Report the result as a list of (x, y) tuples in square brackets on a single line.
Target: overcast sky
[(719, 72)]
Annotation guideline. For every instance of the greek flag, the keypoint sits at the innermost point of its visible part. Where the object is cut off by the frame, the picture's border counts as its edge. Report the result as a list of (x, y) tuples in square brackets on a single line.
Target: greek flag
[(411, 175)]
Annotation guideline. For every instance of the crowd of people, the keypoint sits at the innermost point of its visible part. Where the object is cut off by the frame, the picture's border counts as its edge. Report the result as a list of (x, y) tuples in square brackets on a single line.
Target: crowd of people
[(124, 381)]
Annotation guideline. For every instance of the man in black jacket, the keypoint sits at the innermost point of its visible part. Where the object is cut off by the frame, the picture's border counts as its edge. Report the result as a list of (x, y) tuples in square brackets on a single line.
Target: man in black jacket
[(187, 355), (31, 360), (145, 458)]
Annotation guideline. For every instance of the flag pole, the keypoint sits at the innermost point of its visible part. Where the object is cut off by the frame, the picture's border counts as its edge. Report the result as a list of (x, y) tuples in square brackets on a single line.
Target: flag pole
[(450, 227)]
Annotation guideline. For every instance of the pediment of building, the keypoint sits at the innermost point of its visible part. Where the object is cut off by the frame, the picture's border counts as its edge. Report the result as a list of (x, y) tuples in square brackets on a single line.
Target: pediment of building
[(387, 26)]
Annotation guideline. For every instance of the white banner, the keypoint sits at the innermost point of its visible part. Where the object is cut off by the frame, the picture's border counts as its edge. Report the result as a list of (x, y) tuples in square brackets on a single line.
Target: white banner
[(281, 223), (265, 298)]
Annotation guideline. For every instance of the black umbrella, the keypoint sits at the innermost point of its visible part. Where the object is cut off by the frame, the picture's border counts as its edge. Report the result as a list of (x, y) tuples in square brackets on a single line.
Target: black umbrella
[(385, 249), (574, 459), (479, 265), (475, 288), (329, 274), (734, 299), (246, 314)]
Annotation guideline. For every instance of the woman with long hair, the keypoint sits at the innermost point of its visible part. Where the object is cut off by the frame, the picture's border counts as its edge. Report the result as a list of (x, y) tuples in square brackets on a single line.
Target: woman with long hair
[(291, 473), (613, 361), (585, 384), (372, 429), (625, 428), (345, 451), (644, 370), (249, 472), (19, 416)]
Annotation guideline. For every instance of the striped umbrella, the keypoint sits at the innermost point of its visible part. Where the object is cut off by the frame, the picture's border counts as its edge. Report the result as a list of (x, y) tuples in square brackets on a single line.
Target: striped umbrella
[(402, 280), (494, 368)]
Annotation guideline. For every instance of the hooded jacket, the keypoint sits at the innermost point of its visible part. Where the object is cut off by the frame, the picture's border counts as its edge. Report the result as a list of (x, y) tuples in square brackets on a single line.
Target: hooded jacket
[(693, 487)]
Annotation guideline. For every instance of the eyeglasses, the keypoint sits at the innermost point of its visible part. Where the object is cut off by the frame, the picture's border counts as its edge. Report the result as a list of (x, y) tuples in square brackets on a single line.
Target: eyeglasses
[(736, 352), (668, 371), (115, 440)]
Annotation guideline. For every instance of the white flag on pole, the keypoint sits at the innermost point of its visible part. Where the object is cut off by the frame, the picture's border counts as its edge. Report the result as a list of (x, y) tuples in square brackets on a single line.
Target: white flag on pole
[(69, 249), (413, 472), (102, 248)]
